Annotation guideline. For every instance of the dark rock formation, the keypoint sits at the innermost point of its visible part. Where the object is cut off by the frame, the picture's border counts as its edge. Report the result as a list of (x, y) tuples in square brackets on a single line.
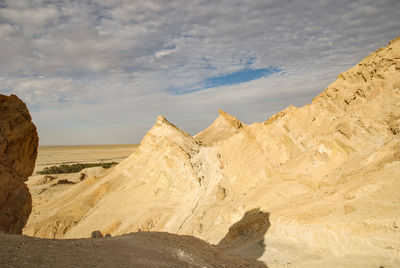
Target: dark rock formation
[(96, 234), (18, 151)]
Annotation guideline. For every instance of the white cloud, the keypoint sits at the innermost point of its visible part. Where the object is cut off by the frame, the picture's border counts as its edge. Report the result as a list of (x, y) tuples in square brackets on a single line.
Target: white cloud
[(165, 52), (75, 61)]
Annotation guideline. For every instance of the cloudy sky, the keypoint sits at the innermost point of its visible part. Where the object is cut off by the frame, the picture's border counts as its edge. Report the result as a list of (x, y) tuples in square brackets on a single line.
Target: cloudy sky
[(98, 72)]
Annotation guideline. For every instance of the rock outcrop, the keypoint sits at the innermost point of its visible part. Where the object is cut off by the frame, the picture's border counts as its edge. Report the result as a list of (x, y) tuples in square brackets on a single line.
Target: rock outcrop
[(222, 128), (18, 151), (326, 174)]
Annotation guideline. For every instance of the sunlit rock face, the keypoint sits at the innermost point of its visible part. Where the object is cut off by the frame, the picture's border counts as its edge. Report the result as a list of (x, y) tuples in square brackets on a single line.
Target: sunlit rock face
[(326, 174), (18, 151)]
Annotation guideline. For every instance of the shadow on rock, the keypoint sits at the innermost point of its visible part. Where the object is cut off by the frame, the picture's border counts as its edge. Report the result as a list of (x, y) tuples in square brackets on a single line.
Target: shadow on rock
[(246, 237)]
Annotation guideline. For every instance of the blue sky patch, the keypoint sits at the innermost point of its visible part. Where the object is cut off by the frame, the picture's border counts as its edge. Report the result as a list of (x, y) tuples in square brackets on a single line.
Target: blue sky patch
[(241, 76)]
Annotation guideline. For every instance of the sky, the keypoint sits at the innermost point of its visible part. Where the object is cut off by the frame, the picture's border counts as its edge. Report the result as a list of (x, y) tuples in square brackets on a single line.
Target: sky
[(100, 72)]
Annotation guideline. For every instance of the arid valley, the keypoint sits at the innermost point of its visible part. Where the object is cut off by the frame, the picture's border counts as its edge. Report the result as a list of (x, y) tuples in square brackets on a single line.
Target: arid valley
[(315, 186), (204, 134)]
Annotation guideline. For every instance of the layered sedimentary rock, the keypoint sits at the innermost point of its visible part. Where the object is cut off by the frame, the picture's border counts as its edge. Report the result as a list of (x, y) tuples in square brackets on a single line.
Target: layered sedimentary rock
[(18, 151), (325, 174)]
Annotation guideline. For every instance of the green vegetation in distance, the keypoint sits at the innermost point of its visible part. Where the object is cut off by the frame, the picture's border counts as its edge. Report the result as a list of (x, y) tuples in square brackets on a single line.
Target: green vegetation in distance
[(73, 168)]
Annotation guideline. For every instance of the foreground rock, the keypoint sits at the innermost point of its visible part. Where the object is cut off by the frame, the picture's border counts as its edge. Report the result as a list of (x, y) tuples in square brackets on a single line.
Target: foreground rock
[(143, 249), (18, 151)]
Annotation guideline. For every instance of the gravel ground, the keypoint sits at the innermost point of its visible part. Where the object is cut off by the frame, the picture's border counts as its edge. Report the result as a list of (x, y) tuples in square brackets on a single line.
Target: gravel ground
[(143, 249)]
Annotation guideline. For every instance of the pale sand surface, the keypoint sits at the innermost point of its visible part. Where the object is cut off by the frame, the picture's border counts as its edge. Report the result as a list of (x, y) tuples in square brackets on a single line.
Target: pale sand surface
[(57, 155)]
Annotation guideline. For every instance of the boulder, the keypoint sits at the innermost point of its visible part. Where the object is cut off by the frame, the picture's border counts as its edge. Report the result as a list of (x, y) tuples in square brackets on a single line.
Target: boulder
[(96, 234), (18, 151)]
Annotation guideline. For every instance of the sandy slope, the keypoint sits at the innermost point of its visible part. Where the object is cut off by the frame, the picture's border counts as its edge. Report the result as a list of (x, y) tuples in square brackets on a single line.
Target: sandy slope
[(326, 174)]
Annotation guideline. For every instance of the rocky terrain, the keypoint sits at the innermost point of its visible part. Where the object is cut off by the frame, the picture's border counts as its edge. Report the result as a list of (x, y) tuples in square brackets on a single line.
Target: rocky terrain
[(19, 144), (326, 174), (18, 150), (144, 249)]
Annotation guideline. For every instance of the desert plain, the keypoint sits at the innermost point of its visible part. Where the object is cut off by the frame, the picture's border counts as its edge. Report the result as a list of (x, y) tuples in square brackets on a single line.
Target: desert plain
[(58, 155)]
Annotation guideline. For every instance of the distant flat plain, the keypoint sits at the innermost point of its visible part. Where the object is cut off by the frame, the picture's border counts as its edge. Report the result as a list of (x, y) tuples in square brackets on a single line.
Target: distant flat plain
[(58, 155)]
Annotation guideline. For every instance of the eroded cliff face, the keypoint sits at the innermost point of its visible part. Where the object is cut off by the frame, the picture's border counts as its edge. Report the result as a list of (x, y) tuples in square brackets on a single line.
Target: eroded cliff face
[(18, 151), (325, 174)]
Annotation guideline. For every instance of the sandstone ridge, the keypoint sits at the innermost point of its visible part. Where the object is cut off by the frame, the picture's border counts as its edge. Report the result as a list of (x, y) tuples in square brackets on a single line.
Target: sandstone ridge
[(222, 128), (326, 174)]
